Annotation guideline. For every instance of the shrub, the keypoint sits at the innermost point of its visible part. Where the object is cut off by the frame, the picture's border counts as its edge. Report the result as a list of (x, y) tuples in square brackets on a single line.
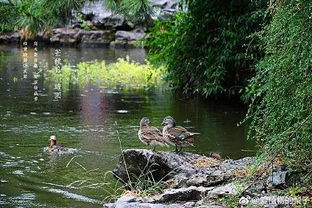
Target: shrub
[(281, 91), (32, 16), (204, 48), (138, 11)]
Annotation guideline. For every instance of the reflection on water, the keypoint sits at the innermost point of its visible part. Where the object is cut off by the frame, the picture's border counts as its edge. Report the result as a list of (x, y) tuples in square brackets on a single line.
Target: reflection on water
[(88, 120)]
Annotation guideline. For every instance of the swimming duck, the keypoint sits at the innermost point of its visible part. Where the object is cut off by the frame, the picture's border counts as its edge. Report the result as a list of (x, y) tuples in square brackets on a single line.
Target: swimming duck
[(150, 135), (54, 147), (177, 135)]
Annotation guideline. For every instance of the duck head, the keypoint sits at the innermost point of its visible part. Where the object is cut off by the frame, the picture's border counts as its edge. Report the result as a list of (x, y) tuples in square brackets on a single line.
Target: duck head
[(144, 122), (168, 121), (52, 141)]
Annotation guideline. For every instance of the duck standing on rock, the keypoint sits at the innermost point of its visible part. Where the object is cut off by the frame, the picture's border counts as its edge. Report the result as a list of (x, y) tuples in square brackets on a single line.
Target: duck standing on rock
[(150, 135), (177, 135)]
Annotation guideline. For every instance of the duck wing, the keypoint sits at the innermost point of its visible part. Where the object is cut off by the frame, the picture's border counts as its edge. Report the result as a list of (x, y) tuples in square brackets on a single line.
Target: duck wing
[(151, 133), (156, 131), (180, 133)]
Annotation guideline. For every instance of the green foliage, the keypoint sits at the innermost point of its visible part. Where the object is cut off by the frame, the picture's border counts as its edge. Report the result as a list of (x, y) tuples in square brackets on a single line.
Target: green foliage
[(134, 10), (84, 24), (281, 91), (122, 74), (162, 36), (35, 15), (32, 15), (8, 15), (204, 49)]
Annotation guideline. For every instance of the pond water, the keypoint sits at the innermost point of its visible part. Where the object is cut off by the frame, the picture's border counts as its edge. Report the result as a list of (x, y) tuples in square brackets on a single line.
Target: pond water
[(90, 120)]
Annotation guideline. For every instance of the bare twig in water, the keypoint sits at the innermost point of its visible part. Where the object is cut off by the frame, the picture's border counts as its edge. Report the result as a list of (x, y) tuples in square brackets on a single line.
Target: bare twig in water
[(81, 166), (71, 160)]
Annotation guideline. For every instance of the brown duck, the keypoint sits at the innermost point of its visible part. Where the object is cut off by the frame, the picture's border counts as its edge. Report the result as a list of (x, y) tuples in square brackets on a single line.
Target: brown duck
[(177, 135), (150, 135), (54, 147)]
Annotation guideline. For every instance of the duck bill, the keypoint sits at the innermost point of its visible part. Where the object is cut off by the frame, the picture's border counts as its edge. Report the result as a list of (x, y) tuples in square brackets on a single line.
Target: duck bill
[(163, 123)]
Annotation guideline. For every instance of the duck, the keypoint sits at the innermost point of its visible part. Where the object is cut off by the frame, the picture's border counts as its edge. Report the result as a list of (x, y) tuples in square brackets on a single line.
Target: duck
[(53, 147), (177, 135), (150, 135)]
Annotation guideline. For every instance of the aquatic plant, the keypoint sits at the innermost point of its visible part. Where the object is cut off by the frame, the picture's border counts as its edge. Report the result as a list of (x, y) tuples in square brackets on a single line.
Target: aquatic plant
[(123, 74)]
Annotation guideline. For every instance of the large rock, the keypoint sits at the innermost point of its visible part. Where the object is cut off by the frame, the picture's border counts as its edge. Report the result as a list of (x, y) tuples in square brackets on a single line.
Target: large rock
[(99, 37), (128, 36), (77, 36), (178, 170), (183, 194), (277, 179), (164, 9), (102, 18), (165, 4), (111, 21), (168, 196), (65, 35), (230, 189), (192, 180), (149, 205), (126, 39), (10, 37), (283, 177)]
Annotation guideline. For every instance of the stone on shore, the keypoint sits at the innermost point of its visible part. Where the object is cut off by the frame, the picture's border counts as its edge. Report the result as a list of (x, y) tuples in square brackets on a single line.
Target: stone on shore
[(10, 37), (148, 205), (177, 170), (192, 180)]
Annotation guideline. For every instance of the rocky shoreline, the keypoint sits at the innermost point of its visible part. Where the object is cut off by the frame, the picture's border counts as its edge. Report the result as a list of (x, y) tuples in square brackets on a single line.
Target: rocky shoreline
[(192, 180), (82, 38), (97, 26)]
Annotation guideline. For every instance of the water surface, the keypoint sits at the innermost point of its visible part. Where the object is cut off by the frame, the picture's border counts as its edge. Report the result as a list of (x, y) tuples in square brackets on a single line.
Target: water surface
[(90, 120)]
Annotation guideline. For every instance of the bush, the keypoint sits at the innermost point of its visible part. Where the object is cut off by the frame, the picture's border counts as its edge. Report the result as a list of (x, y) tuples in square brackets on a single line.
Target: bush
[(8, 15), (282, 88), (32, 16), (138, 11), (204, 48)]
